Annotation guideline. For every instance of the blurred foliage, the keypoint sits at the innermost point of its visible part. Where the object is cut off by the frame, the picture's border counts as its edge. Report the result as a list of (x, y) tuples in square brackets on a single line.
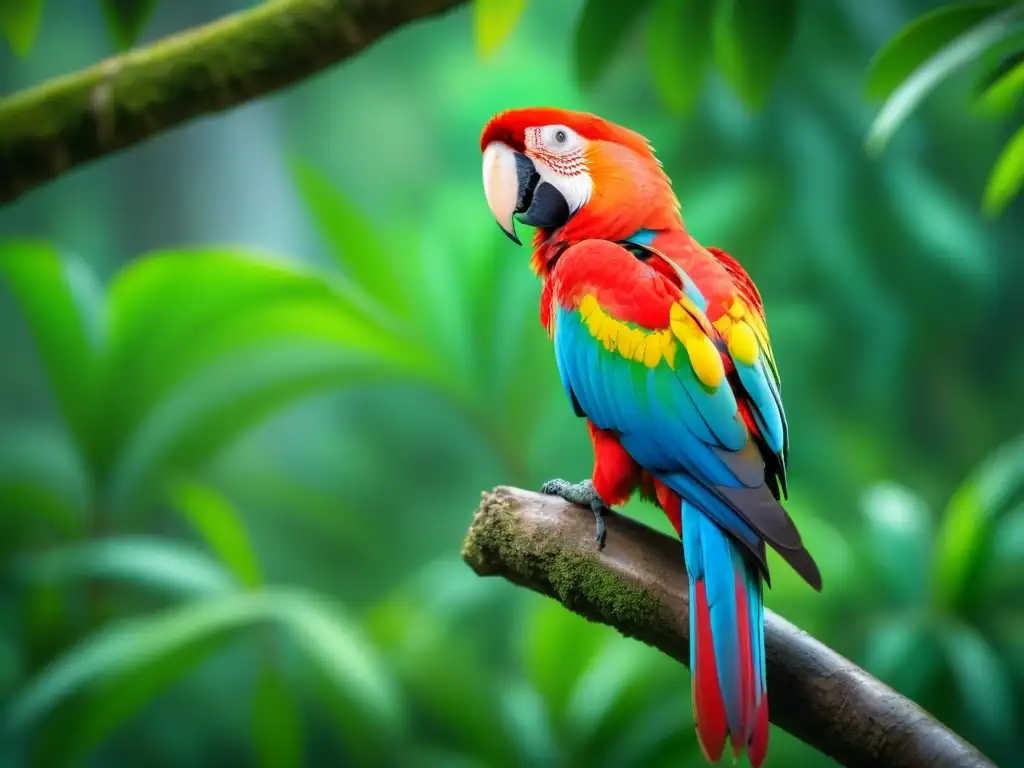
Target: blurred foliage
[(233, 483), (988, 35)]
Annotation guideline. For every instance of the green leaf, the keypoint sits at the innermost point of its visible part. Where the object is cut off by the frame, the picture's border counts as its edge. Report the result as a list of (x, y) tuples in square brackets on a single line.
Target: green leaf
[(559, 647), (345, 659), (19, 24), (982, 680), (363, 697), (126, 20), (130, 646), (171, 313), (121, 697), (615, 692), (899, 541), (1007, 177), (228, 398), (62, 303), (902, 652), (42, 479), (913, 45), (601, 33), (353, 243), (212, 342), (150, 563), (493, 21), (679, 47), (276, 725), (220, 525), (961, 50), (971, 518), (1002, 93), (751, 39), (444, 677)]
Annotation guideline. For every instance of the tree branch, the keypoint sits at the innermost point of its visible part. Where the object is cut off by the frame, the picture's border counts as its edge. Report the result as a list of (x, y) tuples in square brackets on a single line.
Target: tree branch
[(637, 584), (124, 100)]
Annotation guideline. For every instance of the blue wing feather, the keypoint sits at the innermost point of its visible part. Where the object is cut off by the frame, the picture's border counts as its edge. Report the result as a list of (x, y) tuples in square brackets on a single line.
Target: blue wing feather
[(767, 411), (665, 419)]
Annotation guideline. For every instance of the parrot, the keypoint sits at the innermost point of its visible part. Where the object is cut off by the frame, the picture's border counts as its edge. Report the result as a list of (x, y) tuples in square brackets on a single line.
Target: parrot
[(662, 346)]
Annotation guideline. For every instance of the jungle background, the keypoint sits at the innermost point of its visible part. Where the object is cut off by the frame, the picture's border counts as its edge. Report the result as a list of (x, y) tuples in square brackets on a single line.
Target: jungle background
[(255, 373)]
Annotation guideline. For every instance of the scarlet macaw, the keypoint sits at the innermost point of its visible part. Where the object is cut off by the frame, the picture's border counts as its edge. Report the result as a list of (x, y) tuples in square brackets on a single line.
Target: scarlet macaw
[(662, 345)]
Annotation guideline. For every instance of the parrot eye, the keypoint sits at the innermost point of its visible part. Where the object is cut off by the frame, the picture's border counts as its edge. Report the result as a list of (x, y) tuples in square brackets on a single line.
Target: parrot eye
[(559, 138)]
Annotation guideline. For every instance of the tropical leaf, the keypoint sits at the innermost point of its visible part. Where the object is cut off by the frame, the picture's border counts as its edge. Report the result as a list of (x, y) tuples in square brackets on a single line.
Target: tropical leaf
[(559, 647), (903, 653), (219, 524), (173, 312), (126, 20), (1007, 176), (899, 541), (919, 40), (601, 32), (960, 51), (981, 679), (132, 645), (118, 699), (211, 342), (225, 400), (42, 479), (618, 688), (972, 515), (444, 678), (680, 52), (19, 24), (276, 724), (751, 39), (362, 696), (62, 303), (146, 562), (353, 243), (175, 639), (493, 21), (1002, 93)]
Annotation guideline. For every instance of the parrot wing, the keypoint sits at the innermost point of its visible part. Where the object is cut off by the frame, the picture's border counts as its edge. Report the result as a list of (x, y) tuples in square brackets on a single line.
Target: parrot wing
[(637, 355)]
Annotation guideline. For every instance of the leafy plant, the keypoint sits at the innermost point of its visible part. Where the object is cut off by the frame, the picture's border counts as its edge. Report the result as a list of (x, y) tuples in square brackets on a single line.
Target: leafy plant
[(939, 44), (940, 613), (746, 40), (186, 351), (129, 661)]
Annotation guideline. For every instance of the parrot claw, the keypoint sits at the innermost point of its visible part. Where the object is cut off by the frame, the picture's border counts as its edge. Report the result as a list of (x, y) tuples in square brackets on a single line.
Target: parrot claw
[(581, 493)]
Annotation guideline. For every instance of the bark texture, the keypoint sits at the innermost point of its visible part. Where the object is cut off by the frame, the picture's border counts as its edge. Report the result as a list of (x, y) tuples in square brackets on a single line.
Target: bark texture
[(637, 584), (119, 102)]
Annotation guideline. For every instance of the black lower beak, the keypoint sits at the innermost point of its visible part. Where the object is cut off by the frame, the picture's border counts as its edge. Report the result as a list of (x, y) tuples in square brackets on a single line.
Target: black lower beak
[(538, 203)]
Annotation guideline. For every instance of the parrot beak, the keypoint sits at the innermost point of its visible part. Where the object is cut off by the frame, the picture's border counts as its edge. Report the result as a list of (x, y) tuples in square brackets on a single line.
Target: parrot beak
[(513, 185)]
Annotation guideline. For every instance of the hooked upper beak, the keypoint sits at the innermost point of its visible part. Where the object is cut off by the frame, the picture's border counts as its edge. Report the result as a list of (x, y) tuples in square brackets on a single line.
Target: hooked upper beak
[(513, 185)]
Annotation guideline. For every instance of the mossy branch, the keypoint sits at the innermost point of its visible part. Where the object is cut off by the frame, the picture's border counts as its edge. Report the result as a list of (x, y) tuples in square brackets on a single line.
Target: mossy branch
[(124, 100), (637, 584)]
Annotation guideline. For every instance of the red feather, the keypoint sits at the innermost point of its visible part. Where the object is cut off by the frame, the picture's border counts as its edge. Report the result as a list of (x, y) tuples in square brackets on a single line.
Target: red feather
[(708, 708), (510, 127), (747, 694)]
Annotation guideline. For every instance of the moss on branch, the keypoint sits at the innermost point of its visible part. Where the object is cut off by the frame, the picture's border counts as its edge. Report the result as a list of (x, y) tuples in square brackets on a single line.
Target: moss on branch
[(637, 584), (121, 101)]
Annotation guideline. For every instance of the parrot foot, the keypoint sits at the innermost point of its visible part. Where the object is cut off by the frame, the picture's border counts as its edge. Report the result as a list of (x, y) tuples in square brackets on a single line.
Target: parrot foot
[(581, 493)]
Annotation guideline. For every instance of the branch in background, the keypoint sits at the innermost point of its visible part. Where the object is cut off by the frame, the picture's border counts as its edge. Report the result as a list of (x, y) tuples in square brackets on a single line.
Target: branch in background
[(47, 130), (637, 584)]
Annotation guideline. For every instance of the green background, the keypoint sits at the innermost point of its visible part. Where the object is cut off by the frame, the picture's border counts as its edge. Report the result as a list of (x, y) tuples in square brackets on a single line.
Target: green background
[(256, 372)]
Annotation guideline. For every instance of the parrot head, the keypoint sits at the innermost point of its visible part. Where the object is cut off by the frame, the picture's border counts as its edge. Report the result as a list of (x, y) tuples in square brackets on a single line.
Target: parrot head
[(572, 174)]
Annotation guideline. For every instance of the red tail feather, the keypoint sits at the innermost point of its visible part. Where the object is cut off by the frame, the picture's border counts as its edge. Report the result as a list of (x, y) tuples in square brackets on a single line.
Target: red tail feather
[(759, 741), (747, 692), (708, 707)]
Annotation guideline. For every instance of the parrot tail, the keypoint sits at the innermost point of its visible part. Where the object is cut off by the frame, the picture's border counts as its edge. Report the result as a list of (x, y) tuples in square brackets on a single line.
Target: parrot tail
[(726, 641)]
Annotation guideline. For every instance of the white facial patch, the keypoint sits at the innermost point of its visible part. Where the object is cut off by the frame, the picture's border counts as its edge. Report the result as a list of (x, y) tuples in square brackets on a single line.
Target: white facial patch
[(559, 155)]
